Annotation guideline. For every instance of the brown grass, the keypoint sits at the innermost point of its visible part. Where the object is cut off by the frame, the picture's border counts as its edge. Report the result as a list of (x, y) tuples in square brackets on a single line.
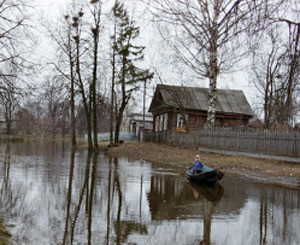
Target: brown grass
[(231, 164)]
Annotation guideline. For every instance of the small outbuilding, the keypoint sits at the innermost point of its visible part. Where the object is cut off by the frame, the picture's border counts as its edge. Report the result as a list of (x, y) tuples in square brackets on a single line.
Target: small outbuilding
[(136, 123), (176, 108)]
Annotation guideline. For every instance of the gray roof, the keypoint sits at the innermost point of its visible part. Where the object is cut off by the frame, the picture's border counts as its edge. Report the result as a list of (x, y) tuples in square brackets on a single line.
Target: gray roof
[(196, 98)]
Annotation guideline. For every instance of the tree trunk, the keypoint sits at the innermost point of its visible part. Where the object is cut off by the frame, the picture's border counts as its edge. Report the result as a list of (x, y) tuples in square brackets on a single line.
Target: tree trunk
[(213, 70), (73, 121), (211, 111), (8, 117), (119, 122), (72, 92), (84, 99), (72, 105), (267, 102), (293, 67), (94, 92), (112, 89)]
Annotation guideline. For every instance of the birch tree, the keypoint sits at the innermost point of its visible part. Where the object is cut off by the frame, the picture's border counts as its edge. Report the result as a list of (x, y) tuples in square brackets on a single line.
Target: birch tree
[(207, 36)]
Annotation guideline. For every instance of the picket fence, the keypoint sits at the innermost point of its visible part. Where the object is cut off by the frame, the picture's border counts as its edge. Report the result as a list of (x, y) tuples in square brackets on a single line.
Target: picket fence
[(276, 143)]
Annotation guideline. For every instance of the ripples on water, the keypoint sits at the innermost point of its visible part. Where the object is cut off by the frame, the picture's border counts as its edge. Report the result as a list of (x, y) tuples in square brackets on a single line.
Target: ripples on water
[(51, 196)]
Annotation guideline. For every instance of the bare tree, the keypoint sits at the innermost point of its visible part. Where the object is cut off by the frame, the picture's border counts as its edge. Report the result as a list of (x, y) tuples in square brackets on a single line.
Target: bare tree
[(12, 91), (86, 36), (9, 104), (11, 20), (65, 66), (14, 30), (267, 67), (78, 41), (96, 25), (54, 97), (293, 70), (277, 62)]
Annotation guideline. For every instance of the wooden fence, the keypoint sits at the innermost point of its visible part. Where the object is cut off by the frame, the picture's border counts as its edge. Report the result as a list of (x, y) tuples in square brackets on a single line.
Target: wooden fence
[(275, 143)]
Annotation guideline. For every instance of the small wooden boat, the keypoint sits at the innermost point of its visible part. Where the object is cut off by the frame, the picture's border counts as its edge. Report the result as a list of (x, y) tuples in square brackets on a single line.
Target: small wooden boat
[(207, 176)]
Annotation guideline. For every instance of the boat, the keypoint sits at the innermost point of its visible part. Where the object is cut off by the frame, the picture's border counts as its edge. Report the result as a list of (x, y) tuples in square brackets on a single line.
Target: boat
[(207, 176)]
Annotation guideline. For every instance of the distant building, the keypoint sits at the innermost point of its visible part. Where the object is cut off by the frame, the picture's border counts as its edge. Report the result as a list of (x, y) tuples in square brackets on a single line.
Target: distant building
[(175, 107), (256, 123), (136, 123)]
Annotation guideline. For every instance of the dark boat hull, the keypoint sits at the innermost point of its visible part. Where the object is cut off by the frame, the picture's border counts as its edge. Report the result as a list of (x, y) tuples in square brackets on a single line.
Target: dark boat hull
[(211, 176)]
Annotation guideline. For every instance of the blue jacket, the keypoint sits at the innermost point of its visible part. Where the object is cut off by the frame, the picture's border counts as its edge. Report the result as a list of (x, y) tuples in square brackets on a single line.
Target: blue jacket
[(197, 165)]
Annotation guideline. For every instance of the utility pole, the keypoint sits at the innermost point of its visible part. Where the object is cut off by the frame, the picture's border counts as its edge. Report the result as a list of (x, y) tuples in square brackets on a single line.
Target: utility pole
[(112, 89), (144, 111)]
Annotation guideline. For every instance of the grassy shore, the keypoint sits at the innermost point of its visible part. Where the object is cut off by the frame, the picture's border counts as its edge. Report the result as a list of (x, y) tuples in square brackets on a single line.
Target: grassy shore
[(263, 170)]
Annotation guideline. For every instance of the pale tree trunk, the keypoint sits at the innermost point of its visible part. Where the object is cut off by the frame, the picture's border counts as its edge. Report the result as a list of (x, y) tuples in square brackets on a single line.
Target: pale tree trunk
[(213, 70)]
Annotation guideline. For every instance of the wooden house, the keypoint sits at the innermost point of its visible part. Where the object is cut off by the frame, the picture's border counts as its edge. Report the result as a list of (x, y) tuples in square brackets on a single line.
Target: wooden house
[(176, 108)]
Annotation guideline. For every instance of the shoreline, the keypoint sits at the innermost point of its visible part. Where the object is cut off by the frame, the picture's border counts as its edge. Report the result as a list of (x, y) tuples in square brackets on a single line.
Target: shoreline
[(263, 170)]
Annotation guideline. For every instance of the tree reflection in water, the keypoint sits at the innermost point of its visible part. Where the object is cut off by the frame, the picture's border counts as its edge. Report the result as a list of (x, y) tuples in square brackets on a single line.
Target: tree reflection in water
[(11, 196), (87, 191), (212, 194), (121, 227), (124, 228)]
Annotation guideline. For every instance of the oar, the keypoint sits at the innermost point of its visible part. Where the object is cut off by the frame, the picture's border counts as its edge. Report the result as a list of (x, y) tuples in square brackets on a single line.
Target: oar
[(181, 173)]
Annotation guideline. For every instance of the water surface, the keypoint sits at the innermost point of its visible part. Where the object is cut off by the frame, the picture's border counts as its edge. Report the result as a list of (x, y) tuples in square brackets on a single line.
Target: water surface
[(50, 196)]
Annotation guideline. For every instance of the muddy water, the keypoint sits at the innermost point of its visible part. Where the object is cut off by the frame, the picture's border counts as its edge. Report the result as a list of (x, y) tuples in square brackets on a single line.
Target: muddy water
[(50, 196)]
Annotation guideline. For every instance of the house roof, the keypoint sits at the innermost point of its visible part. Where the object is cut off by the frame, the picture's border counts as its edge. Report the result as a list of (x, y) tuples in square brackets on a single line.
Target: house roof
[(196, 98), (139, 117)]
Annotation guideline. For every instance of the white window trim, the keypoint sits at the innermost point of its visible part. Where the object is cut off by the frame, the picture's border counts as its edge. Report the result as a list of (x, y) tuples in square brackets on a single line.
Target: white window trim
[(180, 121), (161, 120), (156, 123)]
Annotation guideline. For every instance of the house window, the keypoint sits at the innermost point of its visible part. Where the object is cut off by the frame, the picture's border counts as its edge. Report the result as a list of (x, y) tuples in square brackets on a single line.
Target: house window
[(180, 121), (156, 123), (165, 121), (161, 122)]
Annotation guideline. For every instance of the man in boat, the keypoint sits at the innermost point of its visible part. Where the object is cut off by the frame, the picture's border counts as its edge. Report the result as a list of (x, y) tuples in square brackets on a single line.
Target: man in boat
[(197, 166)]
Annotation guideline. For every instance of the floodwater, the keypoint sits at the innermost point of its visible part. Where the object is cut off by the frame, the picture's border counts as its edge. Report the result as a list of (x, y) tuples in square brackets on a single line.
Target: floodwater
[(50, 196)]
